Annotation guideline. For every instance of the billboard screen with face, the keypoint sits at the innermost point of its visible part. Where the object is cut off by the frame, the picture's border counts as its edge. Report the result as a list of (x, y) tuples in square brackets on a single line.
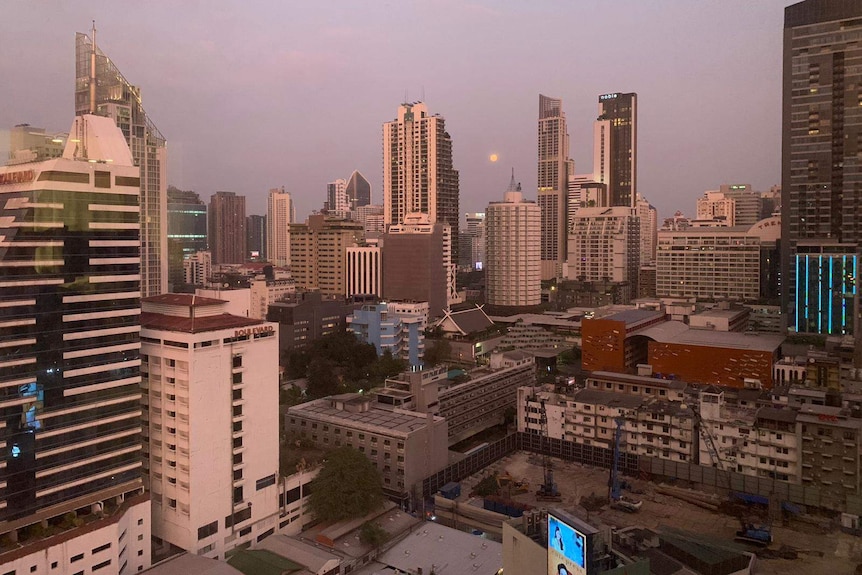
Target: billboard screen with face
[(566, 549)]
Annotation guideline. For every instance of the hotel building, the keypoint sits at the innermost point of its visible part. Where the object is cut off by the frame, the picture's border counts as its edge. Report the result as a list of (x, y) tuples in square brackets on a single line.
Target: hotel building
[(70, 398), (210, 424)]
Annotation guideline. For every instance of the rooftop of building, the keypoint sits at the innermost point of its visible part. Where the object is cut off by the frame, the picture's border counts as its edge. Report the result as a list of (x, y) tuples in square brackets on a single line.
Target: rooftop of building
[(540, 319), (722, 313), (310, 556), (608, 398), (183, 299), (676, 332), (776, 414), (375, 420), (465, 322), (190, 564), (223, 321), (638, 379), (633, 317), (262, 562), (440, 549)]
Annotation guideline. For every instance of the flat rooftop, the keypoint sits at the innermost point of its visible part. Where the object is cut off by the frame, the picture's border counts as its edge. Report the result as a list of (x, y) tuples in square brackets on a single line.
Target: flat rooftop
[(676, 332), (395, 421), (444, 551), (164, 322), (632, 317)]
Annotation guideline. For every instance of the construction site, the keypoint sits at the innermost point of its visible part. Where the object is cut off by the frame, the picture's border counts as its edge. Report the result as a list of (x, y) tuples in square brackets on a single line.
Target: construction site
[(782, 542)]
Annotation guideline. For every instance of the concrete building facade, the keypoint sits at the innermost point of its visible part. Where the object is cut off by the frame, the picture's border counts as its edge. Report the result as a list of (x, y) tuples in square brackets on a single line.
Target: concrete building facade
[(211, 423), (226, 222), (280, 214), (317, 252), (553, 179), (405, 446), (513, 274)]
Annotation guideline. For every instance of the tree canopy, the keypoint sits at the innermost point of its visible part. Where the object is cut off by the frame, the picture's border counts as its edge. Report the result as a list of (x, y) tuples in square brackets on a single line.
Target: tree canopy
[(348, 486)]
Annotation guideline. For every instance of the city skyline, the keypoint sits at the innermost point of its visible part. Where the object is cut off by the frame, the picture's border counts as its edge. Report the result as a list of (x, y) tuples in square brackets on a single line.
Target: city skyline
[(215, 80)]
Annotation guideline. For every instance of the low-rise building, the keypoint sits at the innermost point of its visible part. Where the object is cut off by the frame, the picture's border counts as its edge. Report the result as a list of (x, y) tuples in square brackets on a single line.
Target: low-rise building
[(405, 446), (265, 292), (831, 440), (306, 316), (401, 334)]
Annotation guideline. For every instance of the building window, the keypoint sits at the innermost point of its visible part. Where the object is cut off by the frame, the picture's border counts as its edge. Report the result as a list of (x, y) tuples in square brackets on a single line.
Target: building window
[(76, 558), (101, 565), (207, 530), (101, 548)]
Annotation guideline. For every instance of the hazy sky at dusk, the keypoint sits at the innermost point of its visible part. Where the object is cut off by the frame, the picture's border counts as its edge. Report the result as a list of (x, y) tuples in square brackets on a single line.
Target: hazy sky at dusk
[(255, 95)]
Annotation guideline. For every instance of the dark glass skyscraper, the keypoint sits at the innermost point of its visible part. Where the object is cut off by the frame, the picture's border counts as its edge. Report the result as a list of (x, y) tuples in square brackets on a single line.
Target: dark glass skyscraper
[(358, 190), (615, 147), (227, 239), (821, 180), (256, 235), (69, 331)]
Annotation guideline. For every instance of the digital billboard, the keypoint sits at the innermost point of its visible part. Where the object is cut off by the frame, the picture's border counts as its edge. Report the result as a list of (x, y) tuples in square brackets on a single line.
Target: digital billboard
[(567, 548)]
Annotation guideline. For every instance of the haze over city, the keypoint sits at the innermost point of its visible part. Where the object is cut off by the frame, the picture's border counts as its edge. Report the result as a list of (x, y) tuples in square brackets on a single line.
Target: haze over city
[(272, 94)]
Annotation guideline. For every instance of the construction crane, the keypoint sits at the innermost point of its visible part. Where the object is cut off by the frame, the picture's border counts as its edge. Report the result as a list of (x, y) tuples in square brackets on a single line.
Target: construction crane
[(759, 534), (617, 499), (548, 489)]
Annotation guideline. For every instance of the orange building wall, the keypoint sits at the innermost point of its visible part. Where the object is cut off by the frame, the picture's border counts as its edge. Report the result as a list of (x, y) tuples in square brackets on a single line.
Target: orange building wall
[(711, 365), (603, 345)]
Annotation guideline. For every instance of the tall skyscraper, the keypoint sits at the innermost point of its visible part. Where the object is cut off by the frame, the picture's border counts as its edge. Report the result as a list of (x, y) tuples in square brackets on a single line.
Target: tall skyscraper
[(187, 230), (101, 89), (255, 232), (227, 228), (513, 265), (337, 203), (69, 351), (418, 175), (648, 216), (553, 181), (615, 147), (358, 190), (821, 175), (280, 213)]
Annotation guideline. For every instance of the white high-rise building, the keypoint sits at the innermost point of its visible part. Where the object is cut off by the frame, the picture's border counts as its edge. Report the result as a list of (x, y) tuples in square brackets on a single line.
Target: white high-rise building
[(648, 216), (734, 204), (513, 270), (198, 268), (604, 245), (281, 212), (212, 424), (337, 202), (418, 174)]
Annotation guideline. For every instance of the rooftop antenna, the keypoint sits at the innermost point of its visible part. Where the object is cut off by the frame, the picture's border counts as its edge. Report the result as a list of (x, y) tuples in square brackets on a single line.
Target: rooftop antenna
[(405, 95), (93, 73)]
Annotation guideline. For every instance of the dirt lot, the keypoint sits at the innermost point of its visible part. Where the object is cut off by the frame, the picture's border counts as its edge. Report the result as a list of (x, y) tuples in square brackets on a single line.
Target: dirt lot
[(820, 550)]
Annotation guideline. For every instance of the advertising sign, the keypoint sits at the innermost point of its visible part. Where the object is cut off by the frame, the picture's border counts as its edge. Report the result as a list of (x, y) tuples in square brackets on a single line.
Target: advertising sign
[(567, 549)]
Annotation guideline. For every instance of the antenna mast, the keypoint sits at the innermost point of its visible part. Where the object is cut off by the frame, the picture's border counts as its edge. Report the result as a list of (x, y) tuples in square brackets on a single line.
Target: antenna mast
[(93, 73)]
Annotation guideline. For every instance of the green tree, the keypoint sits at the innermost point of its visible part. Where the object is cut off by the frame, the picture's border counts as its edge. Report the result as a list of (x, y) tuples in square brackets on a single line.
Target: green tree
[(487, 486), (348, 486), (438, 353), (387, 366), (322, 380), (373, 534)]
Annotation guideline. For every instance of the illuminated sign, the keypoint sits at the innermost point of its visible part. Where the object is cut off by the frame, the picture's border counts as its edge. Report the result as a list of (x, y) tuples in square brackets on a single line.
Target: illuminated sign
[(23, 177), (567, 549), (254, 330), (609, 96)]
